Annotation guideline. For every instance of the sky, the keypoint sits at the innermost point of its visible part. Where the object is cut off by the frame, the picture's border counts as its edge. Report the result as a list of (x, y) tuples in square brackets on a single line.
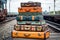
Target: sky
[(14, 4)]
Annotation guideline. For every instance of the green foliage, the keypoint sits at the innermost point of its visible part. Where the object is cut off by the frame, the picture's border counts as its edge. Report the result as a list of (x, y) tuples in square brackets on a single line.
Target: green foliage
[(51, 12), (57, 12)]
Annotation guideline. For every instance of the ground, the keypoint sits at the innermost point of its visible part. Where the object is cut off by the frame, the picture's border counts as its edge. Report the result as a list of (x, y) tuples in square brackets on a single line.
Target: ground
[(6, 28)]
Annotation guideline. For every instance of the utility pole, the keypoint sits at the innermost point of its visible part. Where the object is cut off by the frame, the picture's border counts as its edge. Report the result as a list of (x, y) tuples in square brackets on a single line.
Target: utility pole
[(5, 4), (49, 10), (9, 6), (54, 6)]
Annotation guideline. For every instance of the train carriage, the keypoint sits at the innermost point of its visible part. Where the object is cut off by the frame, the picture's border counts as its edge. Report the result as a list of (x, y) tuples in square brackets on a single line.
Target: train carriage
[(3, 11)]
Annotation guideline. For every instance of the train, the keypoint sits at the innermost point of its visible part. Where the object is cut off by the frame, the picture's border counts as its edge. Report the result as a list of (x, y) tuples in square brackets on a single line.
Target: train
[(30, 22), (3, 10), (53, 18)]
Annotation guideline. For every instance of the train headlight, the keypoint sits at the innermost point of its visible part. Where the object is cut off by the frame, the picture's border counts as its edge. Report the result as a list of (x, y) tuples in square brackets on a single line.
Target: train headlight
[(16, 27)]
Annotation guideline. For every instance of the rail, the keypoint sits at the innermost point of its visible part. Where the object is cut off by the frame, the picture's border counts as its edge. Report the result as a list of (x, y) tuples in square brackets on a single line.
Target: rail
[(53, 25), (7, 20)]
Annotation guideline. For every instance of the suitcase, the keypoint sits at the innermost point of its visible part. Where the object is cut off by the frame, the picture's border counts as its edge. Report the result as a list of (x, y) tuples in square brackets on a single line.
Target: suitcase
[(28, 18)]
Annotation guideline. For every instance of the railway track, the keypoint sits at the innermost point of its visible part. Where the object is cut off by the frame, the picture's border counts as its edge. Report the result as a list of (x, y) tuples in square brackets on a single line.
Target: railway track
[(7, 20), (54, 25), (5, 34)]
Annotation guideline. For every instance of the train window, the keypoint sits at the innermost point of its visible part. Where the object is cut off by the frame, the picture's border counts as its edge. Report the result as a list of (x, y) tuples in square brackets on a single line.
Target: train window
[(1, 9)]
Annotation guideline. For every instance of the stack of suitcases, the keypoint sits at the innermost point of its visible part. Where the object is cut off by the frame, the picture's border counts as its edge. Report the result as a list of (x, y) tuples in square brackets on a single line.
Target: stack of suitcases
[(28, 25), (29, 8)]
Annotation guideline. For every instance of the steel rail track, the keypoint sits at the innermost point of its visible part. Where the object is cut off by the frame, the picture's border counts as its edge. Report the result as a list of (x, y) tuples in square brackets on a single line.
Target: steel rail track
[(53, 25), (7, 20)]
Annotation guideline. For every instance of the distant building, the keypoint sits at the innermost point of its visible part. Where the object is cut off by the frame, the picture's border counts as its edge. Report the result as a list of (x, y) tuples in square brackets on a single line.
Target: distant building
[(45, 12)]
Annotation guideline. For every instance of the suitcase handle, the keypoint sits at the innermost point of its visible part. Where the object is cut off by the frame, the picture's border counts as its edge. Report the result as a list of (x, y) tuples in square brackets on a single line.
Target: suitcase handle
[(28, 22), (26, 35)]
